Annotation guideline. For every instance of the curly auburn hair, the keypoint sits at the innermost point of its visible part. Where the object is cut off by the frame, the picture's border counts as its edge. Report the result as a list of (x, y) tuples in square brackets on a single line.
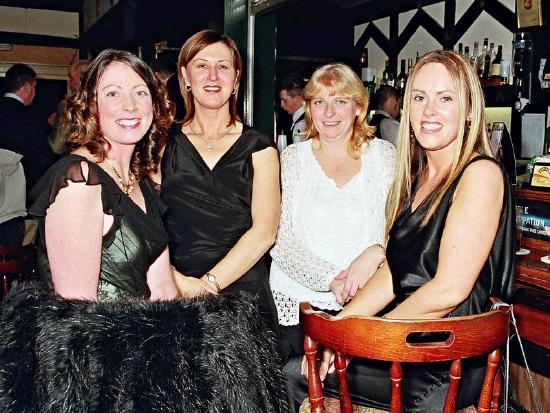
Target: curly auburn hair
[(82, 114)]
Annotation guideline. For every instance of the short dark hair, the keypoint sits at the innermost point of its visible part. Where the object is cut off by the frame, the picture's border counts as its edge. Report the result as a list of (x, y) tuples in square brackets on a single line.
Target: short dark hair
[(17, 76), (384, 93), (293, 83), (159, 66), (82, 113)]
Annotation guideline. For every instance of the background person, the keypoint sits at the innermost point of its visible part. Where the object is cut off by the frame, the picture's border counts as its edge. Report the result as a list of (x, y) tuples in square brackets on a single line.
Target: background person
[(335, 185), (451, 234), (22, 131), (57, 137), (101, 233), (169, 79), (12, 198), (290, 97), (220, 180), (388, 104)]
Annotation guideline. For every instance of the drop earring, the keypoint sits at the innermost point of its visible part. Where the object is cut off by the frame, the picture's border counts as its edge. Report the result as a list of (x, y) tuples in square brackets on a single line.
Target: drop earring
[(187, 87), (412, 136)]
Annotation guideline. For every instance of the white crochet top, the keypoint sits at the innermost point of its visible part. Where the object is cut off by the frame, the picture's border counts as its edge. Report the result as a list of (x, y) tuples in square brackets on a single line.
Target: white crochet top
[(324, 227)]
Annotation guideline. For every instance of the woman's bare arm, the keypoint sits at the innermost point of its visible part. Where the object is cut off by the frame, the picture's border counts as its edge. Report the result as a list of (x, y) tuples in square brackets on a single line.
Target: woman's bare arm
[(265, 219)]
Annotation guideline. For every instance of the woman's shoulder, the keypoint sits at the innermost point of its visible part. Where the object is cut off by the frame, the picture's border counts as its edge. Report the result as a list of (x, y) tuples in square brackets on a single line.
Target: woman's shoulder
[(256, 140), (381, 153), (74, 168), (483, 170), (295, 151), (379, 146)]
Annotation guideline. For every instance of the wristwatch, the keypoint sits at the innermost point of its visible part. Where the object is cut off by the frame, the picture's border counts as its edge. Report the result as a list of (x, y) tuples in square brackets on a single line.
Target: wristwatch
[(211, 278)]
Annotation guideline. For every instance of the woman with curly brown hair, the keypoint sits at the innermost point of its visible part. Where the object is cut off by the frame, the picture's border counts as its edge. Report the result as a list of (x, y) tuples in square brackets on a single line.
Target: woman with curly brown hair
[(101, 233)]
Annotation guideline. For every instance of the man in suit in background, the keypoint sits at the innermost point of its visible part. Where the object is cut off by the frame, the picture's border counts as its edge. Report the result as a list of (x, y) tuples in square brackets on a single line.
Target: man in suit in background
[(388, 103), (21, 131), (290, 96)]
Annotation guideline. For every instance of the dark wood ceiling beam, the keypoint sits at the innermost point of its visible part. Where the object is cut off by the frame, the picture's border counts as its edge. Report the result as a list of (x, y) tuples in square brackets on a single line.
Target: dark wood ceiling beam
[(374, 33), (38, 40), (377, 9), (60, 5)]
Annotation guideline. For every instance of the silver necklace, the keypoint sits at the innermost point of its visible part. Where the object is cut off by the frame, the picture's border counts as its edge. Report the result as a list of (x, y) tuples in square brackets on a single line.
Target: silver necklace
[(209, 141)]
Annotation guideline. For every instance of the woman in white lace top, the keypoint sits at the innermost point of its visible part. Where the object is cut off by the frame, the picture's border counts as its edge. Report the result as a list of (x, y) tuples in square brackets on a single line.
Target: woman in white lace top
[(335, 184)]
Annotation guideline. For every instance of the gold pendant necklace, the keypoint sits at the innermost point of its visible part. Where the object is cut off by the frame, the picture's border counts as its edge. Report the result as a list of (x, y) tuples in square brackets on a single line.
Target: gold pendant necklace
[(210, 142), (127, 187)]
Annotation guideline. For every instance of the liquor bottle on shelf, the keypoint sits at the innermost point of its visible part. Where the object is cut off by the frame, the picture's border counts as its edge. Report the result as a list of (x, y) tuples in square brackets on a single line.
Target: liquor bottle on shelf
[(466, 55), (546, 73), (460, 49), (417, 56), (409, 66), (389, 76), (481, 58), (474, 56), (364, 64), (504, 72), (522, 62), (385, 74), (487, 61), (495, 65), (402, 78), (367, 73), (392, 80)]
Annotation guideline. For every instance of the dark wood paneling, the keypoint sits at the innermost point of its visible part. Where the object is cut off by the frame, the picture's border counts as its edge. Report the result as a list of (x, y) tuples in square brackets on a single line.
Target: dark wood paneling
[(61, 5)]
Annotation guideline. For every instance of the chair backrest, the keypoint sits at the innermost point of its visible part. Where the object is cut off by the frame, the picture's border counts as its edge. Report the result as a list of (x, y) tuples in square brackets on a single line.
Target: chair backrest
[(16, 263), (393, 340)]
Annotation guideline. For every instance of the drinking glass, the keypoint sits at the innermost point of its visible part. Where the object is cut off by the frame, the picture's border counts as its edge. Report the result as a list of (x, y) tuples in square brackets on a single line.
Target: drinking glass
[(546, 258), (519, 234)]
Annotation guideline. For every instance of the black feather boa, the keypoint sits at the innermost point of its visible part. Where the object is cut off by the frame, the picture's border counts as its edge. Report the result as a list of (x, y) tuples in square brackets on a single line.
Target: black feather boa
[(202, 355)]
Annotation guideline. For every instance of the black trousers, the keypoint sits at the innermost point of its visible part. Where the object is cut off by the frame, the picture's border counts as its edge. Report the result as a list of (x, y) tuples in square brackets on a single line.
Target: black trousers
[(12, 232), (424, 384)]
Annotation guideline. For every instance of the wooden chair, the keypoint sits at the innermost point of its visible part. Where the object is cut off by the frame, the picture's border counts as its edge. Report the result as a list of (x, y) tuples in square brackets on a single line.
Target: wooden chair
[(16, 264), (385, 339)]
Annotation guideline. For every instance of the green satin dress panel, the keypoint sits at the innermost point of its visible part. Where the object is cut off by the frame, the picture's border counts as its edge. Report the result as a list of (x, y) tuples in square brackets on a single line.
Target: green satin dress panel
[(134, 242)]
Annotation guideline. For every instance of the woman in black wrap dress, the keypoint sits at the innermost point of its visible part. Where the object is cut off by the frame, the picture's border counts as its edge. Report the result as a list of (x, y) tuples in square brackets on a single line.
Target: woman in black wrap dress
[(101, 232), (450, 245), (220, 180)]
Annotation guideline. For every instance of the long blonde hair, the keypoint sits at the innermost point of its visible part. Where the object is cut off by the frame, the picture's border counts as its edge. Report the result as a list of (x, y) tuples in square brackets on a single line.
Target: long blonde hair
[(334, 79), (471, 137)]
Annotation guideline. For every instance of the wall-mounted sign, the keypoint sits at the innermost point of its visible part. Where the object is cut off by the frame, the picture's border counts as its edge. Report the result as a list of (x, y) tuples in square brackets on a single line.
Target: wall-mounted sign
[(529, 13), (541, 175), (535, 218)]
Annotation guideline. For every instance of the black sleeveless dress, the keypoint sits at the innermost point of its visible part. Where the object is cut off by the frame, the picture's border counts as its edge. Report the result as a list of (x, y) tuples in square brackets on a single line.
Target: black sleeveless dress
[(209, 210), (135, 240), (412, 254)]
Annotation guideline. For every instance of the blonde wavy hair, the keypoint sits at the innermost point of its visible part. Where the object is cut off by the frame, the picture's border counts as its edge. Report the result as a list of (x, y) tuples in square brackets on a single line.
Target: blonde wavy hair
[(339, 79), (471, 137)]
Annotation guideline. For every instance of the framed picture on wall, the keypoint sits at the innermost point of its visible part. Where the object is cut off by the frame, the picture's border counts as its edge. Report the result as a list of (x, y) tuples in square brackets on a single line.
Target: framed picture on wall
[(529, 13)]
